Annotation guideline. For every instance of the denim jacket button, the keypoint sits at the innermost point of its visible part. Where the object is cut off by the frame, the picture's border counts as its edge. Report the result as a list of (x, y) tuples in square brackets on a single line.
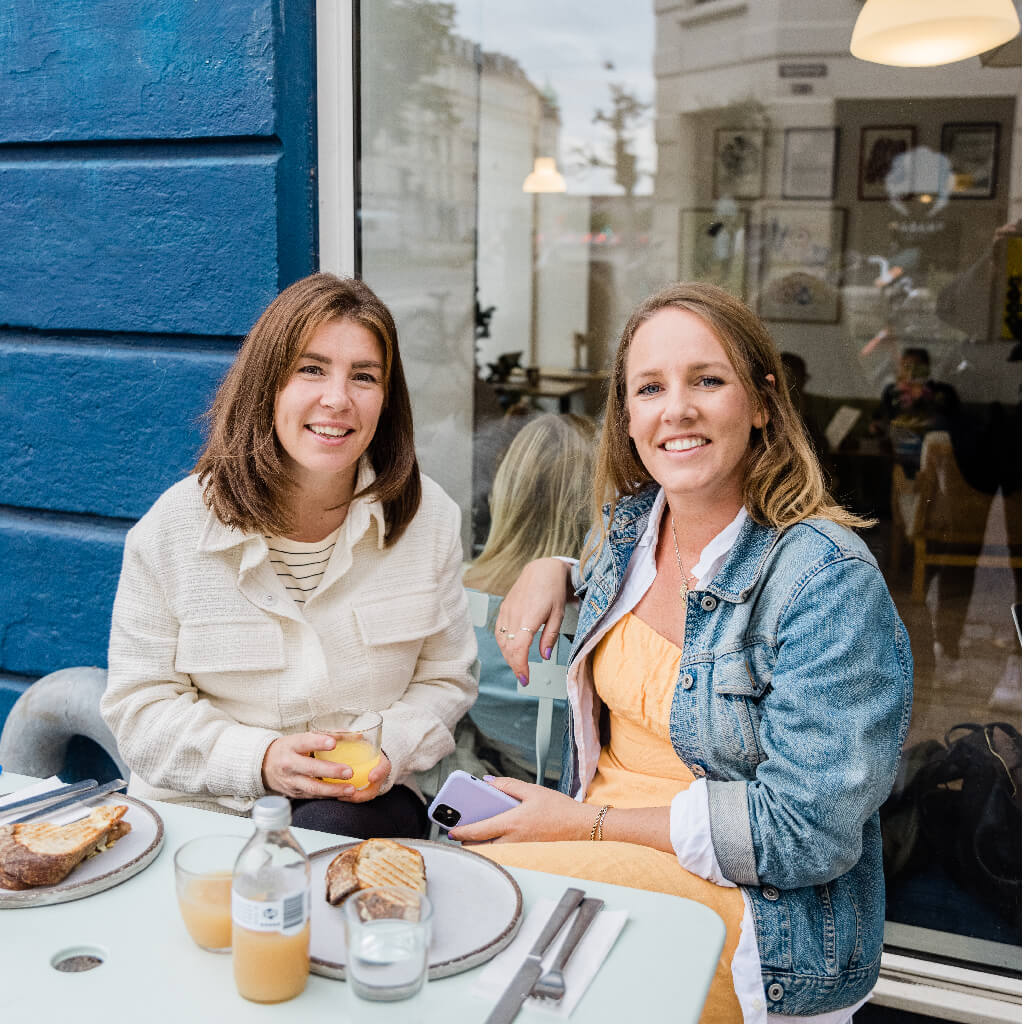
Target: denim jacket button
[(708, 603), (687, 681), (698, 771), (769, 892), (775, 992)]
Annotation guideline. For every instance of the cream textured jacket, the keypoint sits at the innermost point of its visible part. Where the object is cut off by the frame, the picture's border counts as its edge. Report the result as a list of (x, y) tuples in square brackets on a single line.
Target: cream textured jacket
[(211, 660)]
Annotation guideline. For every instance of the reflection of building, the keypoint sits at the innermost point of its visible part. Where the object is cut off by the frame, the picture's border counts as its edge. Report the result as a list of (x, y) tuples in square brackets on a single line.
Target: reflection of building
[(795, 77)]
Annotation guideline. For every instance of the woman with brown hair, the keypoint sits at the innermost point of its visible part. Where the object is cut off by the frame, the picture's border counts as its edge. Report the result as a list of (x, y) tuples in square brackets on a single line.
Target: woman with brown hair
[(306, 567), (740, 682)]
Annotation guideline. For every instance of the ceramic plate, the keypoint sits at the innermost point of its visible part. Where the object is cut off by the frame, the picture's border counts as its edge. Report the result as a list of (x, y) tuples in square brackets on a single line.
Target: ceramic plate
[(477, 910), (128, 856)]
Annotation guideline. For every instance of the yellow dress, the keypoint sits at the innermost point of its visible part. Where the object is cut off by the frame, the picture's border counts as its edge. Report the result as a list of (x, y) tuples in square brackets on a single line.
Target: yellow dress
[(635, 671)]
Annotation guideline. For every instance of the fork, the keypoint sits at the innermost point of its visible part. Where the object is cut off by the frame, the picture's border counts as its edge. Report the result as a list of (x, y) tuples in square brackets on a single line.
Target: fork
[(551, 985)]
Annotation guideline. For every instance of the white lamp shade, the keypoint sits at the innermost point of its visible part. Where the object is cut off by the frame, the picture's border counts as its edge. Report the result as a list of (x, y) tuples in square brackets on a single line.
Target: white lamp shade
[(544, 177), (923, 33)]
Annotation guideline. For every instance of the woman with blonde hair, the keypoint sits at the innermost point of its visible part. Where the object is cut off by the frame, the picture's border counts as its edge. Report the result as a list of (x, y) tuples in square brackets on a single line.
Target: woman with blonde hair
[(305, 567), (539, 508), (740, 682)]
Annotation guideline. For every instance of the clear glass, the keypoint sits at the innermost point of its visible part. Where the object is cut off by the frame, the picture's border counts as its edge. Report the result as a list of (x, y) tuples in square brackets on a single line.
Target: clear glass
[(202, 877), (387, 935), (869, 214), (356, 736), (270, 915)]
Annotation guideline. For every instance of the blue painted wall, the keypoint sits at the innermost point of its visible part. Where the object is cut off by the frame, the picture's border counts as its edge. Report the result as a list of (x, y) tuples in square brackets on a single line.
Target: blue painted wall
[(157, 189)]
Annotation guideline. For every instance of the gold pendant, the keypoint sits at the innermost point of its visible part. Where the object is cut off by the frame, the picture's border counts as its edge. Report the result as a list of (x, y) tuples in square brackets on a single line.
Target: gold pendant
[(683, 591)]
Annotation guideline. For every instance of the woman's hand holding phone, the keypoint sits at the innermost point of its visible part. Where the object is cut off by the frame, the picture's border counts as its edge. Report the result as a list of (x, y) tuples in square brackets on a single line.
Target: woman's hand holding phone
[(543, 815)]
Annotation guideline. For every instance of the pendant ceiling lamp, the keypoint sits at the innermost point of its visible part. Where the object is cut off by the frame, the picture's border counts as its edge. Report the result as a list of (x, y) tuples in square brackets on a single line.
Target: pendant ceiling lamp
[(544, 177), (923, 33)]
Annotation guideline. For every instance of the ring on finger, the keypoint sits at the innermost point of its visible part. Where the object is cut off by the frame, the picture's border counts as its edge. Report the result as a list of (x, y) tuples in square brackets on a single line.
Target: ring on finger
[(502, 629), (525, 629)]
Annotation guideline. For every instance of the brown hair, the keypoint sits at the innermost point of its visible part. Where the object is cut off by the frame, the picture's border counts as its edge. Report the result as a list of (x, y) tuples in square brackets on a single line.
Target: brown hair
[(783, 482), (242, 469)]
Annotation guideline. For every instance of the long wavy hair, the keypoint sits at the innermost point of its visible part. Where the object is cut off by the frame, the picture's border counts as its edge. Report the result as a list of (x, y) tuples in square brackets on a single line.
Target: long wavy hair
[(783, 482), (540, 501), (242, 468)]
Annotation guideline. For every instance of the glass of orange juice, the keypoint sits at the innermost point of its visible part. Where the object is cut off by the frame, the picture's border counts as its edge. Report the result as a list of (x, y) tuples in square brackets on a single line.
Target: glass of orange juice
[(202, 875), (356, 737)]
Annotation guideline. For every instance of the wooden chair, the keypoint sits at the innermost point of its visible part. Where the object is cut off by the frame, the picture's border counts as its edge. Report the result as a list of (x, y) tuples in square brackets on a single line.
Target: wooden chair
[(946, 520)]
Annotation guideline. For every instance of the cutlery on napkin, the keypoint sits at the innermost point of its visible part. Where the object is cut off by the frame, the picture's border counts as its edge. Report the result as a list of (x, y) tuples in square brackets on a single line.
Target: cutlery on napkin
[(579, 972)]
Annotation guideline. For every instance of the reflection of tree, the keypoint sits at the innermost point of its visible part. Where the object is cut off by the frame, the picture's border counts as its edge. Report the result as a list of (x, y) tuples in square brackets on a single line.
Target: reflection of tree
[(408, 42), (624, 118)]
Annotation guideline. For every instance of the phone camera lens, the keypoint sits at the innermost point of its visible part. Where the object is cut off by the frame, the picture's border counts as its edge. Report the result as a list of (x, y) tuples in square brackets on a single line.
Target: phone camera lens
[(447, 816)]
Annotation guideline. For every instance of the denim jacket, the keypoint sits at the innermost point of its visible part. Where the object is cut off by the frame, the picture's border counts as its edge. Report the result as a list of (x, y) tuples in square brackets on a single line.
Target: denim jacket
[(793, 699)]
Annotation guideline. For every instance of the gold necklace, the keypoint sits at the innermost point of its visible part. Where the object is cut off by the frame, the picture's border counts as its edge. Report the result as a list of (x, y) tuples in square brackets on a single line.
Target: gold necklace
[(685, 577)]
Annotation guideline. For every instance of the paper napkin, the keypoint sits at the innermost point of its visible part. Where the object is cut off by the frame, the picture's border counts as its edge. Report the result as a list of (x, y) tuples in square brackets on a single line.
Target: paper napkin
[(579, 972)]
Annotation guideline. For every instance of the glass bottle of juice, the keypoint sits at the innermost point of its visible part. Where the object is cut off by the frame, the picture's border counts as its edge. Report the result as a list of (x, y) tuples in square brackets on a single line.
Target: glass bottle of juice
[(270, 908)]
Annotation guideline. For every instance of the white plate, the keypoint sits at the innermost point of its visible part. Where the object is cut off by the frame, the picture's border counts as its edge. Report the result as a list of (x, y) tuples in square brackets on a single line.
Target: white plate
[(477, 910), (127, 857)]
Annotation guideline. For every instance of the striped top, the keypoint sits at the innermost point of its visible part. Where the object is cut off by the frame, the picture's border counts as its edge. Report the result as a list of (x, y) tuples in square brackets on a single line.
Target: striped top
[(300, 564)]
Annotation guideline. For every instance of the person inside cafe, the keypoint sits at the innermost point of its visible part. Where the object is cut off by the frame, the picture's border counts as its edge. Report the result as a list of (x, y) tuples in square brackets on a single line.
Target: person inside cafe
[(540, 506), (740, 684), (305, 567), (912, 405)]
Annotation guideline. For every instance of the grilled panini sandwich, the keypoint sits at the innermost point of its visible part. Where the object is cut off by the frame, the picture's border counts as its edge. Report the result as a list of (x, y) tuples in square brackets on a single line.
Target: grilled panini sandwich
[(39, 853), (372, 863)]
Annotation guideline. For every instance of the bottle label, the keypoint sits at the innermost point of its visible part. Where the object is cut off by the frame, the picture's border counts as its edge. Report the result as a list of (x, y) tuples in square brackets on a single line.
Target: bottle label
[(287, 916)]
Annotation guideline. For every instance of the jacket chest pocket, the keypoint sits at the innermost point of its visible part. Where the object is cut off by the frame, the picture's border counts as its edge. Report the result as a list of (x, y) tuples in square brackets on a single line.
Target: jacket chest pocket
[(740, 680), (394, 632), (208, 650)]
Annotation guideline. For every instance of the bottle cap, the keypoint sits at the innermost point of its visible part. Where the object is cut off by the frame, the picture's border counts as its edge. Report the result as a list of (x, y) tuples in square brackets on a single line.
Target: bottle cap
[(272, 812)]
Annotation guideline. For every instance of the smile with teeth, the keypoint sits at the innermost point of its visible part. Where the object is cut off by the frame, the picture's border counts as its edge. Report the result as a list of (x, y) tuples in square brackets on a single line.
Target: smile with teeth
[(684, 444), (324, 431)]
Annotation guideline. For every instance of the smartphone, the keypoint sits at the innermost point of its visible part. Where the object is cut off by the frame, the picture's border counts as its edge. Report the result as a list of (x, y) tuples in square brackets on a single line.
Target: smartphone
[(464, 799)]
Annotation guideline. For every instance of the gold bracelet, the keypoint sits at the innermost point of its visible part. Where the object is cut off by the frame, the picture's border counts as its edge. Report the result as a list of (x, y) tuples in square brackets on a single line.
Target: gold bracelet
[(597, 832)]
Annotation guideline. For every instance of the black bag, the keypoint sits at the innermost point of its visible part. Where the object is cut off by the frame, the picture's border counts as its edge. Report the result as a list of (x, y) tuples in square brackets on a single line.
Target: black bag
[(961, 802)]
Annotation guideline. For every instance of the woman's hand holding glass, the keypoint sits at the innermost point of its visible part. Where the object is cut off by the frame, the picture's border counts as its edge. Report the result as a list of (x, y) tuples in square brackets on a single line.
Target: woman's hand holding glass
[(289, 768), (537, 598)]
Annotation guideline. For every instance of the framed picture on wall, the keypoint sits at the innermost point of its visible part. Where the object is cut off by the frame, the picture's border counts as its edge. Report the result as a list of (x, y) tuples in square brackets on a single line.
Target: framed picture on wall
[(713, 248), (973, 152), (800, 251), (884, 155), (809, 163), (739, 163)]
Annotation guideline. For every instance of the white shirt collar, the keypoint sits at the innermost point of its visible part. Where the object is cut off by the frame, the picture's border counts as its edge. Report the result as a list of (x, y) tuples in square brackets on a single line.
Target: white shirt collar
[(715, 552)]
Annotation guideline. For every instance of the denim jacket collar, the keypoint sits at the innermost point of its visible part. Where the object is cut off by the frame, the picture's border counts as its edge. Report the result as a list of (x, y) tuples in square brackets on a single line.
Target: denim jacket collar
[(736, 578)]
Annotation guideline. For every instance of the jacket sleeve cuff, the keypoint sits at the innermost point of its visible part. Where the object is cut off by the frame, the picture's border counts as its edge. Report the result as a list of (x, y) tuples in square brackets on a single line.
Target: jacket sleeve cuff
[(235, 766), (730, 831), (690, 832)]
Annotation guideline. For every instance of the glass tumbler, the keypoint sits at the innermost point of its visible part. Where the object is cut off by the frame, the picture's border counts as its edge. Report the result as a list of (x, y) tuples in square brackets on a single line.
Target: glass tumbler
[(202, 876), (387, 930), (356, 737)]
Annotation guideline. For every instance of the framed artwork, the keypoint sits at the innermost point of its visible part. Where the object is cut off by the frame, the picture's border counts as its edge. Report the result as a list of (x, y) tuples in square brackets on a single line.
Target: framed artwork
[(739, 163), (800, 252), (809, 163), (884, 152), (973, 152), (713, 248)]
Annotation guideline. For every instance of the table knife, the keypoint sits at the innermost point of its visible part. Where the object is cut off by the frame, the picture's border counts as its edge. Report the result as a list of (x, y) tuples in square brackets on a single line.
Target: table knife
[(49, 796), (530, 969), (71, 801)]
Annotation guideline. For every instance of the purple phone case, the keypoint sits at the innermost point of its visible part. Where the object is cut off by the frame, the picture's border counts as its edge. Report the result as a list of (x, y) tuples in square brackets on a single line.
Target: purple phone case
[(473, 798)]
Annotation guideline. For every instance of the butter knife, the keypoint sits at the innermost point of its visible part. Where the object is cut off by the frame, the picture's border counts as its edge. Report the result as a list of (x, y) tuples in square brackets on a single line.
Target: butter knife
[(49, 797), (71, 801), (530, 970)]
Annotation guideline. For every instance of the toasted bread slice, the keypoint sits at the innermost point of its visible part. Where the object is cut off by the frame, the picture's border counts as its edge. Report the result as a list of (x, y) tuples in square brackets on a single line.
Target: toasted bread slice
[(341, 876), (40, 853), (400, 903), (385, 862)]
